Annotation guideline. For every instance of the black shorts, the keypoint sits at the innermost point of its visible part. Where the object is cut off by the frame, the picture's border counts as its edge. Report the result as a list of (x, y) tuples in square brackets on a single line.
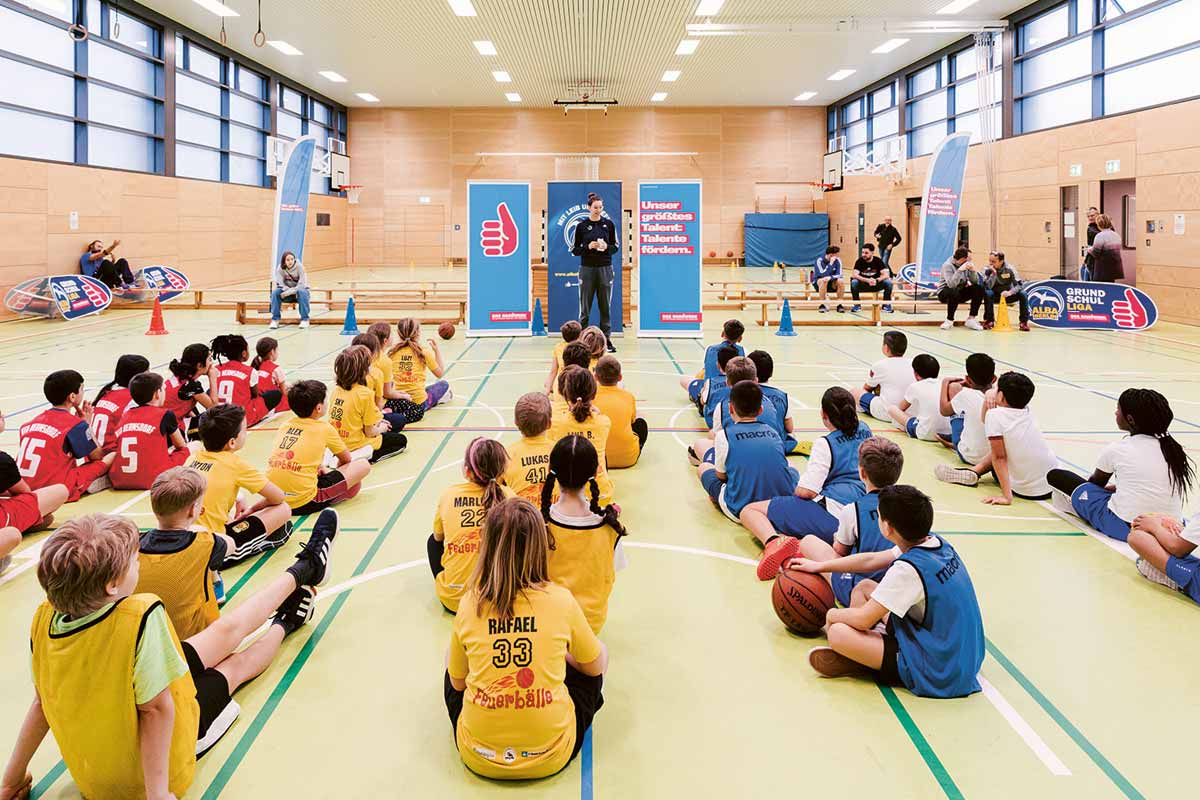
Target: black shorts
[(331, 488), (272, 398), (889, 672), (217, 709), (585, 691)]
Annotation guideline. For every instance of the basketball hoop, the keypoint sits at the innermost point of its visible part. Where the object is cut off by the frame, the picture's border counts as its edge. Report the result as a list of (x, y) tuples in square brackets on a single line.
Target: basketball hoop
[(352, 193), (818, 191)]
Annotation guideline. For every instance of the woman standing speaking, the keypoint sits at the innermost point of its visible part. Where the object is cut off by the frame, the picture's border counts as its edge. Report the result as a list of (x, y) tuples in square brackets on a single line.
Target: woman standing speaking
[(595, 243)]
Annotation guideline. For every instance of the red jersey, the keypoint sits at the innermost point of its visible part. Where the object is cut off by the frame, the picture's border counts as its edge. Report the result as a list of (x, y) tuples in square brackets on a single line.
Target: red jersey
[(107, 416), (266, 382), (234, 381), (50, 444), (143, 441), (180, 397)]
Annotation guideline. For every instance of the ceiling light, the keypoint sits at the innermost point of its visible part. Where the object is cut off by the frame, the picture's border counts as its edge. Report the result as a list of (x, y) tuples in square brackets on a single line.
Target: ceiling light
[(462, 8), (513, 97), (708, 8), (368, 97), (800, 98), (501, 76), (671, 75), (485, 47), (841, 75), (957, 6), (687, 47), (284, 47), (658, 97), (216, 7), (330, 75), (890, 45)]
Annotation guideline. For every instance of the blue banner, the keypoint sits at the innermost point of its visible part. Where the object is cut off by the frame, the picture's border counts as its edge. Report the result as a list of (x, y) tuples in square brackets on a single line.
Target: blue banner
[(1085, 305), (78, 295), (794, 240), (669, 252), (566, 205), (291, 200), (499, 283), (940, 205)]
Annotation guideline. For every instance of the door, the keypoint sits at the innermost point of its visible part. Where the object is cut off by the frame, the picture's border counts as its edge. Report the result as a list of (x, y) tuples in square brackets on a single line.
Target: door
[(913, 235), (862, 222), (1118, 199), (1073, 230)]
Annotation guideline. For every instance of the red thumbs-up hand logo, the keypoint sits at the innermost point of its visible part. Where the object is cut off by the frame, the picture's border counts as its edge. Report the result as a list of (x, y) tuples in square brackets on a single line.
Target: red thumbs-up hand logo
[(1129, 313), (499, 237)]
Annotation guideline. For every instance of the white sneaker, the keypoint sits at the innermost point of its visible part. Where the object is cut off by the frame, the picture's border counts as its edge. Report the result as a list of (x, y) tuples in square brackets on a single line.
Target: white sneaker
[(274, 323), (303, 323), (948, 324), (959, 475), (1062, 502), (1155, 575), (447, 397), (973, 324)]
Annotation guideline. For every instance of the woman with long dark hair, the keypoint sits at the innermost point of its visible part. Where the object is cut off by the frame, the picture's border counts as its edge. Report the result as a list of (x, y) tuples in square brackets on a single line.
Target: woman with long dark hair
[(289, 284), (595, 242)]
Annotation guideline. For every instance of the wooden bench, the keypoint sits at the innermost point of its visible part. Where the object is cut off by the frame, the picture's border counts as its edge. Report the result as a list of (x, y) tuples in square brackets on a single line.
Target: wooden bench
[(252, 311), (902, 316)]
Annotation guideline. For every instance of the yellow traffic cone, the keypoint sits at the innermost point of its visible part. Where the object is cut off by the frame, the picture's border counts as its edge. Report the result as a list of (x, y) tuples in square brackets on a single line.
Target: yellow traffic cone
[(1002, 323)]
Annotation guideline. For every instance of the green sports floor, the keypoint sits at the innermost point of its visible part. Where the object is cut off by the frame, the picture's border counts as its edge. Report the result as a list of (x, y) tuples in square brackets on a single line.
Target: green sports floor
[(1090, 680)]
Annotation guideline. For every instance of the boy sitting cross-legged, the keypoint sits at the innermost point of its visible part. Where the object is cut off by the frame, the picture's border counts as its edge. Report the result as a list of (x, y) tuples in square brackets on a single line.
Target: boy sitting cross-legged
[(731, 336), (131, 706)]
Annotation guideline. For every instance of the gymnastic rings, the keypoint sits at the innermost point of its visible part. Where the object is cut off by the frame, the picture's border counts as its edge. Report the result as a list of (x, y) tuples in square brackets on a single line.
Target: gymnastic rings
[(77, 32), (260, 38)]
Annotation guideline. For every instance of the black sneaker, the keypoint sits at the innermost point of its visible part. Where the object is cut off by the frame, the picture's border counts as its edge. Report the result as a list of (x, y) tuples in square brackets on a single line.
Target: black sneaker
[(403, 446), (296, 610), (824, 309), (312, 564), (611, 348), (693, 459), (841, 309)]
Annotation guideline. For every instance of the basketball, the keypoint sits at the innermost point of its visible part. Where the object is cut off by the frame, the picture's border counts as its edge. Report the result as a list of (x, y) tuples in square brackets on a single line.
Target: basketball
[(729, 254), (446, 330), (801, 600), (712, 253)]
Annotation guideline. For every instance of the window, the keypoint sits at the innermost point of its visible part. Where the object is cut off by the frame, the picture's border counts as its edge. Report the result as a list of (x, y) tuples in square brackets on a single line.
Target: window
[(1117, 8), (1070, 103), (1045, 29), (923, 140), (924, 81), (32, 87), (883, 99), (36, 136), (1072, 60), (1160, 81), (36, 39), (927, 110), (1155, 32)]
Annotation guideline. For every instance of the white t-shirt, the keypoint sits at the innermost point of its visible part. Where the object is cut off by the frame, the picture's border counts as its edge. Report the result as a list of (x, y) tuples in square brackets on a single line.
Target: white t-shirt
[(892, 376), (847, 531), (924, 403), (1191, 533), (901, 590), (1141, 476), (973, 443), (1029, 457), (820, 461)]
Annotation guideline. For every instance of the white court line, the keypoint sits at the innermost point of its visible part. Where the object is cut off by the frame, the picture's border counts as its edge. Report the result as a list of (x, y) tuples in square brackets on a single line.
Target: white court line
[(1023, 729), (937, 511), (456, 462), (1120, 547), (696, 551), (671, 424)]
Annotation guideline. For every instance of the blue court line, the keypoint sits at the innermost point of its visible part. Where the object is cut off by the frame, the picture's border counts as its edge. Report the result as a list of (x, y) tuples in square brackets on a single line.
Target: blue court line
[(586, 776), (260, 720)]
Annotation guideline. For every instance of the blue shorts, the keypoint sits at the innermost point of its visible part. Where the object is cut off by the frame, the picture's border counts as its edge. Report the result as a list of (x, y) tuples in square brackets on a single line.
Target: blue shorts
[(712, 484), (1186, 572), (1091, 503), (911, 427), (843, 586), (798, 517), (956, 429), (694, 389), (864, 402)]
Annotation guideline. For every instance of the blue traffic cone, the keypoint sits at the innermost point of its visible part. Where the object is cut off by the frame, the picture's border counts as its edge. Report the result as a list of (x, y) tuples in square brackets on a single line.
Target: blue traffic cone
[(785, 321), (350, 328), (539, 326)]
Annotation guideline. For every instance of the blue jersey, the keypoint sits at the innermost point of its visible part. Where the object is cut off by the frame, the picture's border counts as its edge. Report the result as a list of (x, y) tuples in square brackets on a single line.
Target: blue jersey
[(842, 483), (717, 396), (941, 655), (755, 466), (870, 540), (711, 370), (770, 415), (779, 399), (827, 267)]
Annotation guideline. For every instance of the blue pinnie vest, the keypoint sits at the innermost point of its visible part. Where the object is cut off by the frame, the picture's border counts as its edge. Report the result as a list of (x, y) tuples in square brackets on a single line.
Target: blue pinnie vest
[(770, 415), (779, 398), (941, 656), (711, 370), (755, 467), (870, 540), (842, 483)]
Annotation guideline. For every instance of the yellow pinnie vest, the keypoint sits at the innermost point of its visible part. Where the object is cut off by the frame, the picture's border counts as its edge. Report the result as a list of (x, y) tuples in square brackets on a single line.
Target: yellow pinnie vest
[(184, 583)]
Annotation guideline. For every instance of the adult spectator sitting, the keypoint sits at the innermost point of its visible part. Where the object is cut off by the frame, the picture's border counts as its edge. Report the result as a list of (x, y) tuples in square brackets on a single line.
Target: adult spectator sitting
[(871, 275), (1002, 282), (1106, 252), (886, 238), (960, 282), (827, 273), (289, 284), (95, 263)]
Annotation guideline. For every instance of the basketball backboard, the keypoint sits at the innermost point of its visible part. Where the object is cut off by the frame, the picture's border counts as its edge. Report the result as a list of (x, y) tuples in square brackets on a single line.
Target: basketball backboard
[(832, 174)]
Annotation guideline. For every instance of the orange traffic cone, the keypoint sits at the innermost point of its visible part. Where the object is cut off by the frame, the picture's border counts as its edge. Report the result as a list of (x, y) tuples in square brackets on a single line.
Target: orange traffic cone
[(157, 328)]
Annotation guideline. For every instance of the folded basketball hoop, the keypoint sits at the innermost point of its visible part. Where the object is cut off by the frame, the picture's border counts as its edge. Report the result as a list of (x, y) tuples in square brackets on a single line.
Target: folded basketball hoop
[(352, 193)]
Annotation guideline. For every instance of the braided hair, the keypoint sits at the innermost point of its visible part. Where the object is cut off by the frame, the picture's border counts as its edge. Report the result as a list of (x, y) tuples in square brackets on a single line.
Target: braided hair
[(839, 407), (573, 465), (231, 346), (1147, 412)]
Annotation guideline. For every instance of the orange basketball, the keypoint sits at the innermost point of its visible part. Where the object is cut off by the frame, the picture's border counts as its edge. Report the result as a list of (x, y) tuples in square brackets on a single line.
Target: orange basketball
[(446, 330), (801, 600)]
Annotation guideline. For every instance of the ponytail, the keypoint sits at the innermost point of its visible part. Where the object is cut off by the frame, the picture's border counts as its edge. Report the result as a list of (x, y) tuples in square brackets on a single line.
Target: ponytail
[(573, 465), (127, 366), (578, 386), (1148, 413), (840, 409), (230, 346), (262, 349), (487, 460), (408, 334), (194, 355), (548, 494)]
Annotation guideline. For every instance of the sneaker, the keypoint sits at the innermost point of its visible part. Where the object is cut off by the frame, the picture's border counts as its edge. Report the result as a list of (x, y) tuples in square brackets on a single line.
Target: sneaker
[(99, 485), (44, 524), (841, 309), (973, 324), (803, 448), (447, 397), (829, 663), (959, 475), (295, 610), (824, 309), (274, 324), (988, 324), (1061, 501), (611, 348), (855, 308), (777, 551), (693, 459), (403, 446), (1149, 572), (887, 308), (948, 324), (303, 323), (218, 588), (1024, 326), (312, 564)]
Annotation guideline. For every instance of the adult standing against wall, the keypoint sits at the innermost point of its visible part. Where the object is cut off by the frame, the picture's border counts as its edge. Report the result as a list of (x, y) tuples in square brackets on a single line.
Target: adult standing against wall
[(886, 237), (96, 263), (1092, 230), (289, 285), (960, 283), (595, 242), (1106, 252)]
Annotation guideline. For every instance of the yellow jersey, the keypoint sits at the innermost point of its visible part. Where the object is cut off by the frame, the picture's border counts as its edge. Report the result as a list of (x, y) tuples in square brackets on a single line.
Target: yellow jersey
[(596, 430), (352, 410), (384, 364), (375, 384), (459, 518), (582, 561), (85, 679), (517, 719), (408, 371), (226, 472), (183, 581), (558, 351), (620, 407), (297, 455), (528, 465)]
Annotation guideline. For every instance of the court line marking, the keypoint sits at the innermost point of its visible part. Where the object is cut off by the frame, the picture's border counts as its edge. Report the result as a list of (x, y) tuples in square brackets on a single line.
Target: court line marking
[(1119, 547), (940, 774), (1023, 729)]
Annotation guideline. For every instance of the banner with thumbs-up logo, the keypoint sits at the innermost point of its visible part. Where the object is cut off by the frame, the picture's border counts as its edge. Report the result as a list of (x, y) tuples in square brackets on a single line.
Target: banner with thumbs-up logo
[(499, 279), (1086, 305)]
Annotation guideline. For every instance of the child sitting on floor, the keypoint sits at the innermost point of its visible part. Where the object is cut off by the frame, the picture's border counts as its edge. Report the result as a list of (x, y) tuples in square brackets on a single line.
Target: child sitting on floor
[(410, 362), (1166, 552), (529, 456), (920, 412), (888, 379), (54, 440), (731, 335), (629, 431), (148, 439), (113, 400), (570, 331)]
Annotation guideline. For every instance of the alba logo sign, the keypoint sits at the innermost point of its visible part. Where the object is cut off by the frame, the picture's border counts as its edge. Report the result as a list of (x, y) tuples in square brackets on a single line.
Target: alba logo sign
[(499, 237), (1087, 305)]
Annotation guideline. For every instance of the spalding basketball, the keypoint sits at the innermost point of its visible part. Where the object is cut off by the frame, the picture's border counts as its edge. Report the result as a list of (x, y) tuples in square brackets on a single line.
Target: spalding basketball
[(712, 253), (801, 601), (729, 254), (446, 330)]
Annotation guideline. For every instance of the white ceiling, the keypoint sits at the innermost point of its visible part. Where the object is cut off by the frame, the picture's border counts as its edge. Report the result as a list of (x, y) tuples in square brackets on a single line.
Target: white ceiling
[(418, 53)]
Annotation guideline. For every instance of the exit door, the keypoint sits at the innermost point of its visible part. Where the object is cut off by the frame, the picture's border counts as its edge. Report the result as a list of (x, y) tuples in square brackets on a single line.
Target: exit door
[(1072, 230)]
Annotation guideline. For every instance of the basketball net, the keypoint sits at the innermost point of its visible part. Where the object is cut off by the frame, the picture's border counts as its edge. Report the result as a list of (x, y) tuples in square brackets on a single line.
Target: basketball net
[(352, 193), (577, 168)]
